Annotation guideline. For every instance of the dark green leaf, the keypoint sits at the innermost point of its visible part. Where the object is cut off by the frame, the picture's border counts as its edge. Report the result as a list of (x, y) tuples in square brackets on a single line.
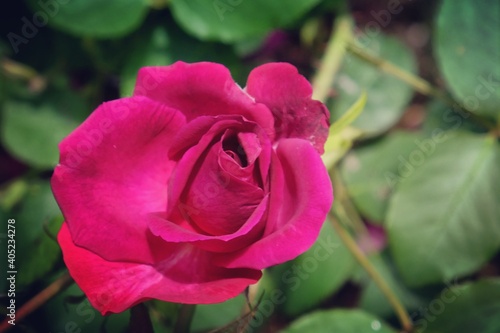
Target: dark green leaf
[(37, 224), (443, 219), (216, 315), (62, 316), (31, 131), (103, 19), (473, 307), (233, 20), (467, 44), (339, 320), (151, 50), (317, 274)]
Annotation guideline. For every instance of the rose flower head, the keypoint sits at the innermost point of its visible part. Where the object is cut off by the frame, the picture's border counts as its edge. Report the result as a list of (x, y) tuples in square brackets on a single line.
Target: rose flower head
[(185, 191)]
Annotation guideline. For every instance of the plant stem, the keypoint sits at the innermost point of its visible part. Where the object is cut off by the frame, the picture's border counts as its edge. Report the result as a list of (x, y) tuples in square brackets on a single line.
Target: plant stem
[(416, 82), (332, 59), (63, 282), (419, 84), (184, 318), (358, 254), (344, 206)]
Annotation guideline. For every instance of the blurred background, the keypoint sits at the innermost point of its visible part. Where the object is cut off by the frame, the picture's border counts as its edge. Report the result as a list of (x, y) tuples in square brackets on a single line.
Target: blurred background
[(416, 181)]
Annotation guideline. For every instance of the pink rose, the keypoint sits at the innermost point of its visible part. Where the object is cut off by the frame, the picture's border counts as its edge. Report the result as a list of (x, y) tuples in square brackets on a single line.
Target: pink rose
[(185, 191)]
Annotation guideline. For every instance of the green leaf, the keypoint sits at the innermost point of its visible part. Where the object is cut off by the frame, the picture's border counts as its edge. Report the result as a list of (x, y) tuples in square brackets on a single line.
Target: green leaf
[(32, 133), (63, 315), (387, 96), (234, 20), (468, 52), (151, 50), (37, 216), (93, 18), (216, 315), (473, 307), (443, 219), (441, 116), (317, 274), (339, 320), (372, 171)]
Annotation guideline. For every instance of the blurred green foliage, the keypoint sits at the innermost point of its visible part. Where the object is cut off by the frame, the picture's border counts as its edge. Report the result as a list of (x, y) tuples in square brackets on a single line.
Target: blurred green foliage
[(426, 169)]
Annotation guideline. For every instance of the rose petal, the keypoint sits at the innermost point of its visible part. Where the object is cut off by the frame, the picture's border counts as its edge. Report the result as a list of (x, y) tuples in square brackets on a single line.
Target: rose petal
[(199, 89), (301, 196), (248, 233), (222, 202), (189, 147), (113, 171), (186, 277), (288, 96)]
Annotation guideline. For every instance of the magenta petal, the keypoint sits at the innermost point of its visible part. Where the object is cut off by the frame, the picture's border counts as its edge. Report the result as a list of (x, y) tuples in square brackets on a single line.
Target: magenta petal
[(301, 196), (200, 89), (288, 96), (113, 287), (222, 202), (248, 233), (113, 171)]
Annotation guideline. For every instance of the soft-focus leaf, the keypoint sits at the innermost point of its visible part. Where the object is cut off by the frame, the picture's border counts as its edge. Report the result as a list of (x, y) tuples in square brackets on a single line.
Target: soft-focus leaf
[(32, 132), (317, 274), (233, 20), (468, 52), (473, 307), (443, 220), (36, 251), (441, 116), (371, 172), (211, 316), (149, 51), (339, 320), (103, 19), (387, 96), (63, 316)]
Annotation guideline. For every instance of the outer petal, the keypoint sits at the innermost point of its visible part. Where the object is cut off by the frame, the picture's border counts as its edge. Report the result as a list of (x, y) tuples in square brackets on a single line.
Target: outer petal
[(113, 171), (288, 96), (301, 196), (117, 286), (199, 89)]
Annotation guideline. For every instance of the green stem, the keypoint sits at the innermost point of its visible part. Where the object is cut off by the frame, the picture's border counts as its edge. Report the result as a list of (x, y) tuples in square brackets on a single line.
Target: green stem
[(344, 206), (63, 282), (416, 82), (184, 318), (332, 59), (419, 84), (358, 254)]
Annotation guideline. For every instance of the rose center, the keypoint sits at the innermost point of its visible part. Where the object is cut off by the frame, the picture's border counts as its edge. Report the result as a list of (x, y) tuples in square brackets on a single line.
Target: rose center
[(233, 148)]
